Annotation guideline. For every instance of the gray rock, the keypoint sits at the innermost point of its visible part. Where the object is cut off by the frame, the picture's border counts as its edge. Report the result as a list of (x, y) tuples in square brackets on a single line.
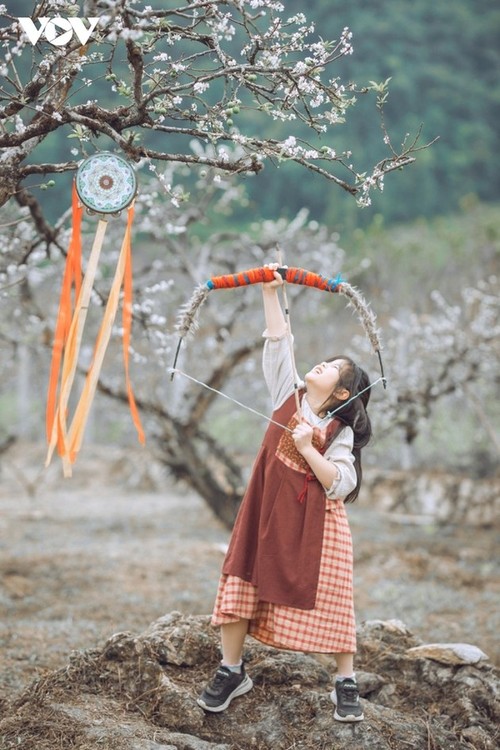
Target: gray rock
[(138, 692), (448, 653)]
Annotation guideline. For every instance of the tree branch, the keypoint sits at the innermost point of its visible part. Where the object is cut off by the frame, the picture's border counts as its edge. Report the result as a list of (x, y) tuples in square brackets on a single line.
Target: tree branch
[(25, 198), (218, 377)]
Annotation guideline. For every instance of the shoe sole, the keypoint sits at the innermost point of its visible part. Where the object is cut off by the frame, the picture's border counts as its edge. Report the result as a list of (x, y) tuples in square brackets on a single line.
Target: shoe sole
[(245, 687), (348, 718)]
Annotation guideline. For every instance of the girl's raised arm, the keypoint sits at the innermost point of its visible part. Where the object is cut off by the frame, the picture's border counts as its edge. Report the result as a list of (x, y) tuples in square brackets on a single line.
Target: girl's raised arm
[(275, 319)]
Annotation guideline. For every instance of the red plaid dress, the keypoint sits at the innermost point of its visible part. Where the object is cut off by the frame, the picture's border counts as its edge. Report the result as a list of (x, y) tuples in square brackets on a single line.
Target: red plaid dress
[(328, 628), (327, 625)]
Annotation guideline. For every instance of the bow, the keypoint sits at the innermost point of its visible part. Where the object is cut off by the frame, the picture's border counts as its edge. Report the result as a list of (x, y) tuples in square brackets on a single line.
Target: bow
[(188, 315)]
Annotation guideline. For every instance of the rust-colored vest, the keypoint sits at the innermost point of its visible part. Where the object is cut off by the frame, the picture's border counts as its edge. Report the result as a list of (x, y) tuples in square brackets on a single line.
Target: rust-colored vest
[(278, 533)]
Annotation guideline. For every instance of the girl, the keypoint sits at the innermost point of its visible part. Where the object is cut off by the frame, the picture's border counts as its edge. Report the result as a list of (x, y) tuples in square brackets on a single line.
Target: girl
[(287, 575)]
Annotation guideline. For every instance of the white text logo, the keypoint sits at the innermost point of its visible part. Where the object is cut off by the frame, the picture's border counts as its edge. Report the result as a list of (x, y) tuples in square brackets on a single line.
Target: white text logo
[(49, 29)]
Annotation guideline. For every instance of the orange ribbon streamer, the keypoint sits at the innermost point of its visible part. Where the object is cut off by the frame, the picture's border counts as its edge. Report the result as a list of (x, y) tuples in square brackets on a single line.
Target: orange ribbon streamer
[(127, 327), (69, 440), (72, 278)]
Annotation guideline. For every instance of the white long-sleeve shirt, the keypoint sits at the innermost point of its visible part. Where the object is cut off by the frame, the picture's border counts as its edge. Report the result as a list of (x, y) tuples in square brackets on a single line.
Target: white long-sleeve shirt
[(280, 379)]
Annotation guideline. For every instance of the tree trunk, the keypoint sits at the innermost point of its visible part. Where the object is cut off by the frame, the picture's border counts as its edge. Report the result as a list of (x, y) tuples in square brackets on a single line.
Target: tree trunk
[(195, 457)]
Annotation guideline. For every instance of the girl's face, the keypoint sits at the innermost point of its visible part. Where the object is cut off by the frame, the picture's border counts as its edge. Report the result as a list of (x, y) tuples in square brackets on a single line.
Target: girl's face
[(325, 376)]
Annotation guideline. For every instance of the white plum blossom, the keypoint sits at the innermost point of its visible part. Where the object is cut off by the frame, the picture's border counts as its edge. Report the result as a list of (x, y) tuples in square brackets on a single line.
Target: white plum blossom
[(345, 40), (279, 7), (317, 100), (300, 68), (223, 27), (290, 142), (200, 86), (297, 18), (269, 60), (19, 124), (171, 38)]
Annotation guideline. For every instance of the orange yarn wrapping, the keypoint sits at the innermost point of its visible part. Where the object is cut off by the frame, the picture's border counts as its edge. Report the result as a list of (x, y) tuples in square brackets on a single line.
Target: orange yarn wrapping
[(258, 275)]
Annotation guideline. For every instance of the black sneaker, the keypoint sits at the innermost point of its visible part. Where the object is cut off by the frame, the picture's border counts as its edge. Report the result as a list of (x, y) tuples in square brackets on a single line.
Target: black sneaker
[(345, 695), (225, 686)]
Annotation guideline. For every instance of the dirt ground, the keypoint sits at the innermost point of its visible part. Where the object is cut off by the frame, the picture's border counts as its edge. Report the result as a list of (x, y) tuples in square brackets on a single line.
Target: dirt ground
[(106, 551)]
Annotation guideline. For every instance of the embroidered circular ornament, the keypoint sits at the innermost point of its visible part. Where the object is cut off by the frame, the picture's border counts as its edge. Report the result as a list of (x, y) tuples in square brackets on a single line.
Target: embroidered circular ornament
[(106, 183)]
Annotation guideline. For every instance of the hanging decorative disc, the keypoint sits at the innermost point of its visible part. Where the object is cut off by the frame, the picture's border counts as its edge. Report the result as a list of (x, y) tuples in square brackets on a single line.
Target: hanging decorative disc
[(106, 183)]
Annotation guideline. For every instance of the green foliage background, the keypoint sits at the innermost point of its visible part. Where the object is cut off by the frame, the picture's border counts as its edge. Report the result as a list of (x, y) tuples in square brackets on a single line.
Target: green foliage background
[(443, 60), (444, 63)]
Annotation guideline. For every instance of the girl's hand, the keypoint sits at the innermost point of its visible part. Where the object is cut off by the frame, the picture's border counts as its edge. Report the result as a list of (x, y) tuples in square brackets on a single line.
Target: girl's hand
[(278, 280), (302, 437)]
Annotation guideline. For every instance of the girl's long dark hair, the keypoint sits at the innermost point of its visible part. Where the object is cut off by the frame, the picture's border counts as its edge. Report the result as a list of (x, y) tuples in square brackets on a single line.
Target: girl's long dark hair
[(354, 413)]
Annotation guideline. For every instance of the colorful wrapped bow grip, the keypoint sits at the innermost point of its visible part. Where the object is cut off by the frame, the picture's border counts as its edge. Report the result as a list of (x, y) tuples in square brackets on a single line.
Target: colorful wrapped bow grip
[(259, 275)]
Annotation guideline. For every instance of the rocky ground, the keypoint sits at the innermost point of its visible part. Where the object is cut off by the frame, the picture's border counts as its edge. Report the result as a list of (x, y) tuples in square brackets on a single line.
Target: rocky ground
[(117, 549)]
